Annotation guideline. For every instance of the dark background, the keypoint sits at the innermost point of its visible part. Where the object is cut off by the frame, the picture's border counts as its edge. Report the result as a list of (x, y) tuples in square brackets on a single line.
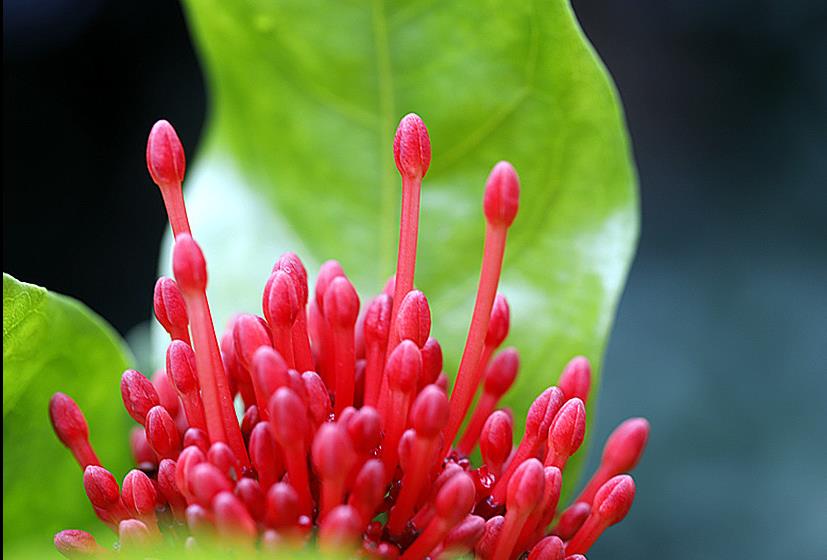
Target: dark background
[(721, 336)]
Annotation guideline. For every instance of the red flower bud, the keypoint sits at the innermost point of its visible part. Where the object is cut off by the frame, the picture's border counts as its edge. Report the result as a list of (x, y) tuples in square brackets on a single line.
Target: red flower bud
[(133, 535), (625, 445), (67, 419), (292, 265), (264, 454), (490, 536), (188, 265), (502, 195), (499, 322), (170, 309), (614, 499), (332, 452), (378, 320), (165, 155), (101, 487), (576, 379), (281, 301), (161, 433), (341, 303), (248, 336), (168, 487), (231, 517), (455, 499), (572, 519), (496, 439), (501, 372), (186, 462), (429, 412), (525, 489), (282, 506), (220, 455), (139, 495), (138, 395), (339, 530), (327, 273), (181, 367), (206, 481), (77, 544), (404, 367), (198, 438), (319, 405), (413, 321), (412, 147), (431, 362), (251, 495), (566, 432)]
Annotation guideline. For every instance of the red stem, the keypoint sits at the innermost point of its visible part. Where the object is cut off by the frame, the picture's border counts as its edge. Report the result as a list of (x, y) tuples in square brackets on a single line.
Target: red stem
[(512, 527), (601, 475), (374, 368), (194, 411), (586, 536), (176, 212), (333, 493), (222, 424), (395, 422), (413, 482), (427, 540), (344, 366), (296, 458), (84, 453), (469, 374), (406, 257), (524, 451)]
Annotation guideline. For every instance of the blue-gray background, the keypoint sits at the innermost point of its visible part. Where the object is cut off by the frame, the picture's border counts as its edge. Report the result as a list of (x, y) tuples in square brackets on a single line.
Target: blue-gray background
[(721, 336)]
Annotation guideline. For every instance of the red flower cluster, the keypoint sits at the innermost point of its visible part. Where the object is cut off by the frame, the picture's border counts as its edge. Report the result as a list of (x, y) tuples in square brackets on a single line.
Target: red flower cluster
[(348, 427)]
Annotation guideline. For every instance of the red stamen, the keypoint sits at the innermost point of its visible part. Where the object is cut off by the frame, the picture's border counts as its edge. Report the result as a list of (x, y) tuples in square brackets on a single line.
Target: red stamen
[(161, 433), (535, 526), (292, 265), (333, 456), (576, 379), (403, 370), (431, 363), (341, 308), (490, 536), (412, 152), (496, 441), (621, 453), (453, 502), (281, 307), (166, 163), (566, 433), (376, 328), (73, 543), (138, 395), (220, 455), (318, 398), (461, 539), (611, 504), (288, 418), (170, 309), (550, 548), (525, 490), (265, 455), (499, 377), (71, 429), (502, 193), (187, 460), (181, 368), (329, 271), (191, 273), (429, 414)]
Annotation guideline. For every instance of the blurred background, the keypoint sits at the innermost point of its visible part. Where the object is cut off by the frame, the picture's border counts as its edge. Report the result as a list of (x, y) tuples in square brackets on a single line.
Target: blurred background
[(721, 337)]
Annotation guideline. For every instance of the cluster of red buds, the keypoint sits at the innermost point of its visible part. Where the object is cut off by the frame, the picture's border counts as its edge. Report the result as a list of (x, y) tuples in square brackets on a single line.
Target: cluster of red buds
[(348, 426)]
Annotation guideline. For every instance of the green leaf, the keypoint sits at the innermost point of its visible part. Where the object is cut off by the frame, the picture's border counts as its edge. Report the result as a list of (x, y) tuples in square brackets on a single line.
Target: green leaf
[(53, 343), (305, 99)]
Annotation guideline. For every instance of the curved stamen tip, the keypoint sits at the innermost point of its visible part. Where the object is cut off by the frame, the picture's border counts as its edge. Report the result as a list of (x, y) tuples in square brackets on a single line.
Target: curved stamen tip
[(502, 195), (412, 147), (341, 303), (188, 264), (73, 543), (67, 419), (165, 155), (525, 489), (429, 413), (626, 444), (414, 318)]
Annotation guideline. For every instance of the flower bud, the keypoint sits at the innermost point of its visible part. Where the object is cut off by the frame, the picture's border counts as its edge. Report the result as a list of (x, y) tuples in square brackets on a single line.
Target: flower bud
[(614, 499), (188, 265), (413, 321), (133, 535), (525, 488), (68, 420), (412, 147), (73, 543), (576, 379), (139, 495), (181, 367), (231, 517), (198, 438), (249, 334), (282, 506), (291, 264), (567, 429), (501, 372), (429, 413), (161, 433), (169, 306), (625, 445), (341, 303), (138, 395), (431, 362), (282, 302), (404, 367), (101, 487), (378, 320), (496, 439), (499, 322), (550, 548), (327, 273), (502, 195), (455, 499), (165, 155)]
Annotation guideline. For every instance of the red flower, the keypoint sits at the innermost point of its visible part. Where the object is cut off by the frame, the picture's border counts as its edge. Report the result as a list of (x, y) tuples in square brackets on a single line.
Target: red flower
[(349, 426)]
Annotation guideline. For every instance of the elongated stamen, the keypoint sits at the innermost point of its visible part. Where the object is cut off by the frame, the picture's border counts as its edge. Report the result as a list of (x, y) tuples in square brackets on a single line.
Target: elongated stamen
[(535, 526), (496, 441), (170, 309), (412, 152), (377, 327), (291, 265), (265, 455), (566, 433), (333, 456), (281, 311), (191, 274), (403, 369), (368, 489), (576, 378), (339, 530), (288, 418), (181, 367), (139, 497), (611, 504), (166, 163), (71, 428), (572, 519), (502, 193), (341, 308)]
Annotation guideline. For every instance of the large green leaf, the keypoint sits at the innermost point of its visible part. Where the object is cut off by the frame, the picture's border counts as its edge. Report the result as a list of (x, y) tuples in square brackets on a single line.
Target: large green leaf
[(53, 343), (305, 96)]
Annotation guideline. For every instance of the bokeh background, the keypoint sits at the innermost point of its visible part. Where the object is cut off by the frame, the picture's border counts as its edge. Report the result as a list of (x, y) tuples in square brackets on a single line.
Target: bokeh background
[(721, 336)]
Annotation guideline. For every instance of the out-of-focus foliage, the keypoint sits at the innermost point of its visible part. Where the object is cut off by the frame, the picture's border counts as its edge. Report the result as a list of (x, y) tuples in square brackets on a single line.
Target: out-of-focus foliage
[(53, 343)]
